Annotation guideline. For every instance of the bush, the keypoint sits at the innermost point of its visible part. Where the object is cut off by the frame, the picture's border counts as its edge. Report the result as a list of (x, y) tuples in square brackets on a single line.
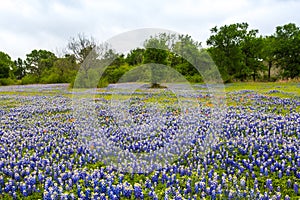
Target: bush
[(6, 81), (29, 79), (195, 78), (52, 78), (103, 82)]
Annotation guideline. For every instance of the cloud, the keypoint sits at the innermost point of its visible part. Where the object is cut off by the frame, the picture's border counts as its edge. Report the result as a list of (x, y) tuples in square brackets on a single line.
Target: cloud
[(266, 15), (34, 24)]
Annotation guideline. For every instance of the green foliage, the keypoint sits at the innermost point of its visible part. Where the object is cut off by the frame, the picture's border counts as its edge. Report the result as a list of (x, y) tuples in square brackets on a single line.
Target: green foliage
[(6, 81), (196, 78), (187, 49), (43, 67), (287, 49), (30, 79), (103, 82), (237, 51), (113, 73), (252, 51), (20, 70), (268, 54), (6, 65), (49, 76), (66, 69), (157, 56), (157, 49), (135, 57), (38, 61)]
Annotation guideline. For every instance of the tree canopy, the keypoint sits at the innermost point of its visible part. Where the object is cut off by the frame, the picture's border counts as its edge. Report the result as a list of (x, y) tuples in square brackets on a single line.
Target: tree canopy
[(6, 65)]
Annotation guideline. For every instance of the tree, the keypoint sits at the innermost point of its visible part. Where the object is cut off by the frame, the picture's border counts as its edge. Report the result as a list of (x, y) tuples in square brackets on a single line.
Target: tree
[(6, 65), (178, 51), (225, 49), (252, 51), (158, 48), (64, 70), (135, 57), (116, 68), (157, 52), (188, 51), (81, 46), (38, 61), (94, 65), (20, 70), (287, 50), (268, 53)]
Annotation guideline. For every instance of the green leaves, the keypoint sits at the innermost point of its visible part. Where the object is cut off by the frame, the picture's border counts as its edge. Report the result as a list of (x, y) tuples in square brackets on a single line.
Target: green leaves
[(236, 51), (6, 65), (287, 50), (239, 53), (38, 61)]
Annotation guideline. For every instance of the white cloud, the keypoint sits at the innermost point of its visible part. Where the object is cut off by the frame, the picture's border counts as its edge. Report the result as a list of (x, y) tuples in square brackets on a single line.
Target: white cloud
[(33, 24)]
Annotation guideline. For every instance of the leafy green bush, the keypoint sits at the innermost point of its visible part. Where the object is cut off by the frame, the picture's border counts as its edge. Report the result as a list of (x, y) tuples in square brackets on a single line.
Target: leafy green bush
[(196, 78), (30, 79), (103, 82), (6, 81), (51, 78)]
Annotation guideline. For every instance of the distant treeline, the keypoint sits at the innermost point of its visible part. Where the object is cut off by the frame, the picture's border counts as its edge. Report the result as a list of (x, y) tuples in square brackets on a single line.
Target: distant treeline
[(239, 53)]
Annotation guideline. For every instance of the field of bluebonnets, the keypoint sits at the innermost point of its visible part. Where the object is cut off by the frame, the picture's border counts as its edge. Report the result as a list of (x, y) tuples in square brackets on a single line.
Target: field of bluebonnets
[(257, 156)]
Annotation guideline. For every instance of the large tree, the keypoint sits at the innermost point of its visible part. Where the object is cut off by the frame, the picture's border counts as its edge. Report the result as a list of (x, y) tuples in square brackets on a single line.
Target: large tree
[(178, 51), (287, 50), (157, 52), (64, 70), (135, 57), (156, 49), (6, 65), (20, 70), (228, 46), (188, 51), (252, 52), (38, 61), (268, 53), (81, 46)]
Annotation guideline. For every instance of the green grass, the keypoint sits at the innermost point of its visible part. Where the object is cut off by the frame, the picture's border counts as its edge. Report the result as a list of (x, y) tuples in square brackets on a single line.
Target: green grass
[(259, 87)]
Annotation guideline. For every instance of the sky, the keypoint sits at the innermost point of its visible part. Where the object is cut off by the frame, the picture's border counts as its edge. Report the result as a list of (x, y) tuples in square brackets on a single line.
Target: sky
[(49, 24)]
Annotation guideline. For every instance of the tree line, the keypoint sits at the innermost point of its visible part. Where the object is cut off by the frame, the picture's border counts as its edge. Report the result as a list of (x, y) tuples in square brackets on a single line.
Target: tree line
[(240, 54)]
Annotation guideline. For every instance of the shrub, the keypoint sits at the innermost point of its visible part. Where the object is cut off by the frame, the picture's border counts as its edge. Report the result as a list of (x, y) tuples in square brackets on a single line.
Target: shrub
[(29, 79), (6, 81), (103, 82)]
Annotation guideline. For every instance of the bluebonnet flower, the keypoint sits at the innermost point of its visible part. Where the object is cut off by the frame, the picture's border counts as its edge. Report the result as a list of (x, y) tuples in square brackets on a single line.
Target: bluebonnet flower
[(296, 188), (138, 193), (127, 189), (248, 130), (289, 183)]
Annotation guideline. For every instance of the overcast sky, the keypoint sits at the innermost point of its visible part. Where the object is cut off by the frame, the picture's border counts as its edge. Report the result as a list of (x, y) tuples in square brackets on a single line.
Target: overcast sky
[(49, 24)]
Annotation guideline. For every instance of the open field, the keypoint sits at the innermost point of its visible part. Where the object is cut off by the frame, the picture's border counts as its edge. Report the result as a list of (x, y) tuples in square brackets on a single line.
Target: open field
[(50, 146)]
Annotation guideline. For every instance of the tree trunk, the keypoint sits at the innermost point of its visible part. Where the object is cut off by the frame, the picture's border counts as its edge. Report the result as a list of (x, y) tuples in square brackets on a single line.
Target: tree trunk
[(269, 70), (254, 76)]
